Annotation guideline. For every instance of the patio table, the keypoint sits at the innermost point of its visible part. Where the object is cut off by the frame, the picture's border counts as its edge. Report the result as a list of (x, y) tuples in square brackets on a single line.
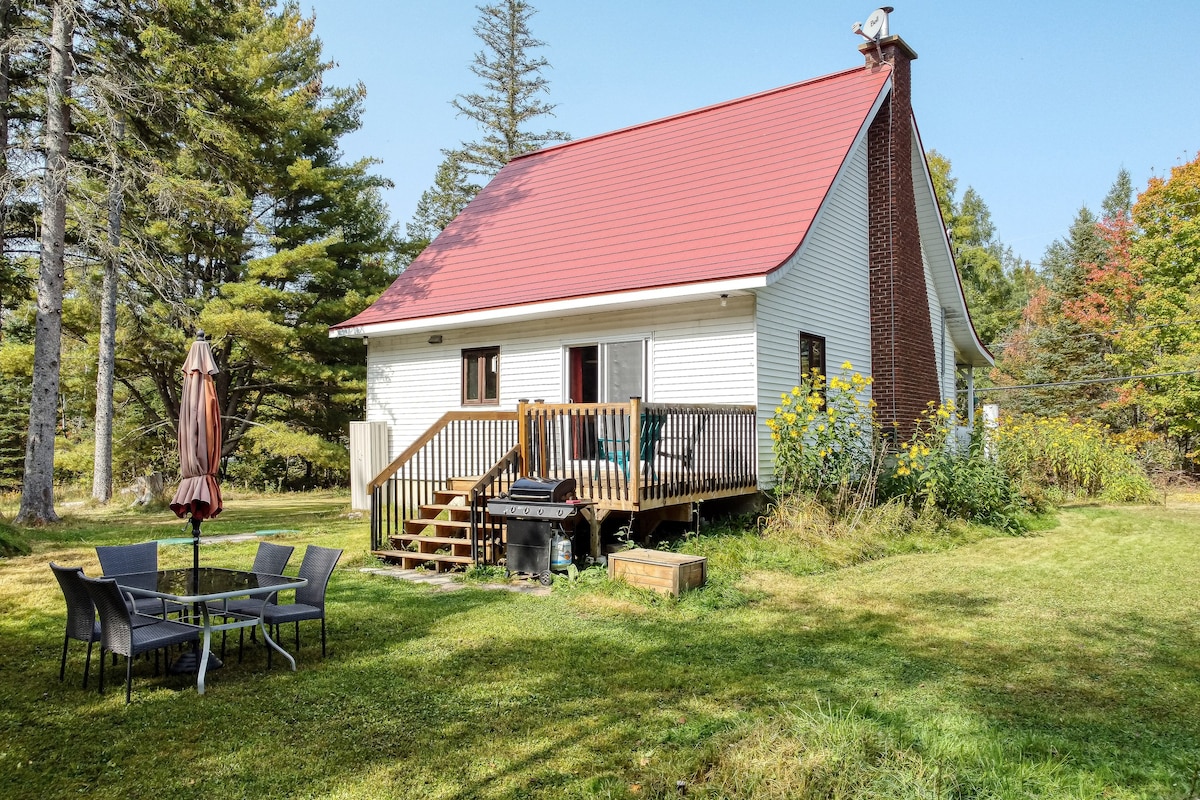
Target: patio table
[(199, 587)]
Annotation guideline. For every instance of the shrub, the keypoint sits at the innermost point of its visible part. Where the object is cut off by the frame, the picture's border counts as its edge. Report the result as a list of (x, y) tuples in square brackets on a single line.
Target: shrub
[(827, 447), (12, 543), (933, 469), (824, 440)]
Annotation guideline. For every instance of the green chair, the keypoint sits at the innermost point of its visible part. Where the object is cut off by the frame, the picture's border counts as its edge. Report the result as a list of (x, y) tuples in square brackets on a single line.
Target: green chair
[(615, 448)]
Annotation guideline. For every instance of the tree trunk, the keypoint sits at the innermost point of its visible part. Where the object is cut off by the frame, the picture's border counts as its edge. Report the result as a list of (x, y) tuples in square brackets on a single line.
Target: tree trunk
[(102, 459), (37, 491), (5, 96)]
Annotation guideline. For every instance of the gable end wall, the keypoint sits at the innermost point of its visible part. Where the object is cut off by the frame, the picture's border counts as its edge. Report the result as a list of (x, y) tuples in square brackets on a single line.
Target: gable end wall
[(823, 291)]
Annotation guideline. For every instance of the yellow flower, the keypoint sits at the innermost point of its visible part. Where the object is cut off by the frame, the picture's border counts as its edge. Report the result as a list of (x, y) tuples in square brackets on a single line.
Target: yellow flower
[(846, 365), (786, 399)]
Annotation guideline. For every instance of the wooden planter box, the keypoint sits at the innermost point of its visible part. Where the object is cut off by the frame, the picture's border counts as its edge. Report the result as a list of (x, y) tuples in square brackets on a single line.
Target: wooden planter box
[(671, 573)]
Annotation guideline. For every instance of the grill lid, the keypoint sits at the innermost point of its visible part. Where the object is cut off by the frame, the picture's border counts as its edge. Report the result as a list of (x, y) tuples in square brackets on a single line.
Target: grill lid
[(542, 490)]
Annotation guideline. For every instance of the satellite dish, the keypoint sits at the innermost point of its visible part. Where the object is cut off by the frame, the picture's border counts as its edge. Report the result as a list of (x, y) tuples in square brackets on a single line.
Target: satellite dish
[(876, 26)]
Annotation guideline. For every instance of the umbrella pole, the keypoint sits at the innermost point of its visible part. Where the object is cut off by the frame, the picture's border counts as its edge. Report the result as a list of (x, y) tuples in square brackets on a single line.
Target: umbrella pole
[(195, 552), (190, 661), (196, 563)]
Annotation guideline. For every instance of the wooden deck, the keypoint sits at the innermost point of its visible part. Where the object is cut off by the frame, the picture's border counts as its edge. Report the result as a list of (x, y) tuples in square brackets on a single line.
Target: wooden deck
[(425, 512)]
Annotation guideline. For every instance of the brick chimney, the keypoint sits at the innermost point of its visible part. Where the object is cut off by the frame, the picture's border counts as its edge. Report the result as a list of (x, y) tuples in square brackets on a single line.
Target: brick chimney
[(903, 360)]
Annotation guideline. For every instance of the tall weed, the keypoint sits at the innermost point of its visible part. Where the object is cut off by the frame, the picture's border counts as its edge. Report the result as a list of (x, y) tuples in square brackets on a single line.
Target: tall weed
[(1070, 460)]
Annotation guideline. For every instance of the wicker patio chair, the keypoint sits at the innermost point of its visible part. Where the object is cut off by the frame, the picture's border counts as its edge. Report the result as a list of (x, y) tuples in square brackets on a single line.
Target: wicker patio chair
[(129, 559), (271, 559), (82, 624), (129, 634), (317, 566)]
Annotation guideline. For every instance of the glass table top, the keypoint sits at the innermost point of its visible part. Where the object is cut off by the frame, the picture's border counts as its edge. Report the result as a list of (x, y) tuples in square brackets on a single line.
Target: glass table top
[(205, 583)]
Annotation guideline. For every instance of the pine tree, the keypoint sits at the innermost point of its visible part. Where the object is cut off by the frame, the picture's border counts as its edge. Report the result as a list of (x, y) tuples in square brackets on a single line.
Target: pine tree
[(37, 491), (995, 281), (513, 84), (450, 194), (1069, 333)]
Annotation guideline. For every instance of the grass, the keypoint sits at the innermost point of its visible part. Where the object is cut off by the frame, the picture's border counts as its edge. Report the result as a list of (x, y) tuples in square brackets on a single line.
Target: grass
[(1062, 664)]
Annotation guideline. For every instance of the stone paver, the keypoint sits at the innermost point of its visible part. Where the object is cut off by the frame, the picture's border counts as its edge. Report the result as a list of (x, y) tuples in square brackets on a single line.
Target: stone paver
[(446, 583)]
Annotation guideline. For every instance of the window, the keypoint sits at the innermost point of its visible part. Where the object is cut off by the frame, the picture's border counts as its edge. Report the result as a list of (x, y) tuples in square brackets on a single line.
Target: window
[(812, 359), (481, 376), (611, 372), (812, 354)]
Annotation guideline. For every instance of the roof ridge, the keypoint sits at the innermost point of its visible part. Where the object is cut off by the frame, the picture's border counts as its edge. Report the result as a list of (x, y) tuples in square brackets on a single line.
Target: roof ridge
[(692, 112)]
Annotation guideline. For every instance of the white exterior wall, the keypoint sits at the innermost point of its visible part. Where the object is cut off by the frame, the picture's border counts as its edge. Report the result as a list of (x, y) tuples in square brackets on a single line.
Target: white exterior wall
[(943, 345), (699, 352), (825, 291)]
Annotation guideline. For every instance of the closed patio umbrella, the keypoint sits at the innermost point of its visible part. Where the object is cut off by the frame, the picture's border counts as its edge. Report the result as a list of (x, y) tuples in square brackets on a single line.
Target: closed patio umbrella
[(198, 495)]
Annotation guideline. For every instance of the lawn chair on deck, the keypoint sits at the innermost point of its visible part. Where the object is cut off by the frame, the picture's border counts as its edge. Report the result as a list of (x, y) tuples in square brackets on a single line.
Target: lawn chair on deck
[(614, 442)]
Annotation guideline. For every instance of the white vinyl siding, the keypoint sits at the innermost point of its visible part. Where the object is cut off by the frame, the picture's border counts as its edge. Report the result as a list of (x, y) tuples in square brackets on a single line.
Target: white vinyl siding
[(825, 291), (699, 352), (943, 346)]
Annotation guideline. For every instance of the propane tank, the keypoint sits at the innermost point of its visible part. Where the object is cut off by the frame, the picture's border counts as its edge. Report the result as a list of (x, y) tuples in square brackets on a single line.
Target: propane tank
[(561, 552)]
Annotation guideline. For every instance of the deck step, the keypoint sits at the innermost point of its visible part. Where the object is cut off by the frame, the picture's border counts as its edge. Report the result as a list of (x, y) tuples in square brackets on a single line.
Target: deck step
[(413, 526), (438, 540), (434, 509), (407, 559)]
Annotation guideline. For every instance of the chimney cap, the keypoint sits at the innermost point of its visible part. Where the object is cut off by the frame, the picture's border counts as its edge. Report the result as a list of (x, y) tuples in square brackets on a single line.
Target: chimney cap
[(876, 47)]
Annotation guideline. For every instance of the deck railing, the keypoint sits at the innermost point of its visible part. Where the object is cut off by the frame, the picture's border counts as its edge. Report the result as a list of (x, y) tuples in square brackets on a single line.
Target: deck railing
[(675, 453), (460, 444), (486, 530)]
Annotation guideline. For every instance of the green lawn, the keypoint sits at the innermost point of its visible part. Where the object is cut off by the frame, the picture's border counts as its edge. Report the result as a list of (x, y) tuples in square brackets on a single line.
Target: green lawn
[(1064, 664)]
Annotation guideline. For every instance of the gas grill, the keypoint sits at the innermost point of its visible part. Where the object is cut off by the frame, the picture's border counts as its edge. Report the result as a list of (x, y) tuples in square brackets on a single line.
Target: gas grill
[(535, 509)]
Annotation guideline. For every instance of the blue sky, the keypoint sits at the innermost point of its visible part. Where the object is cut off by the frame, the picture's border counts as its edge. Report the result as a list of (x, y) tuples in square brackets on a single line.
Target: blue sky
[(1036, 104)]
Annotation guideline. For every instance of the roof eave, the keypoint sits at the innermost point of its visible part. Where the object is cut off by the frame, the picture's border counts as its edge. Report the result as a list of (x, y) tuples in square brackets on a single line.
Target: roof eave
[(553, 308)]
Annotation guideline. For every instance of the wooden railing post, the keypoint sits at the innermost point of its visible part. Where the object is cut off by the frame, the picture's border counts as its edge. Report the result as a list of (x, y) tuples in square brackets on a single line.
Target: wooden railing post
[(635, 450), (543, 443), (523, 434)]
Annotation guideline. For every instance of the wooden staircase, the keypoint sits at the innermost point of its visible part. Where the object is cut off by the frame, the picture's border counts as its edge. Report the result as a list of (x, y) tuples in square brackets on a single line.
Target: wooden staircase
[(439, 537)]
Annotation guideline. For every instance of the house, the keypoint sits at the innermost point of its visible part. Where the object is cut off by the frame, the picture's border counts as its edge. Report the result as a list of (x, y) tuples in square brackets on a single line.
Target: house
[(703, 260)]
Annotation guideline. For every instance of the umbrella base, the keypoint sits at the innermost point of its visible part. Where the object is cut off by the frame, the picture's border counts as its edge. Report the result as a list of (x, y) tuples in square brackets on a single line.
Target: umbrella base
[(189, 662)]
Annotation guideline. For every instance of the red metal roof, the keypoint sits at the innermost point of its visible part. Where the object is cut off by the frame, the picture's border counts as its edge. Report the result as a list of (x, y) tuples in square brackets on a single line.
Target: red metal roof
[(727, 191)]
